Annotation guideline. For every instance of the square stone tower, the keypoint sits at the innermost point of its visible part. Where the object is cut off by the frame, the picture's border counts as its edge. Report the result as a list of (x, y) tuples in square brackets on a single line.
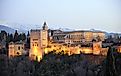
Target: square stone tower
[(38, 41)]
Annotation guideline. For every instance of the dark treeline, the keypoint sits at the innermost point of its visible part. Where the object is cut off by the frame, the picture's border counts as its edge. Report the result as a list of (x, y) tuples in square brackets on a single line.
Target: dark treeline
[(62, 65), (12, 37), (6, 38)]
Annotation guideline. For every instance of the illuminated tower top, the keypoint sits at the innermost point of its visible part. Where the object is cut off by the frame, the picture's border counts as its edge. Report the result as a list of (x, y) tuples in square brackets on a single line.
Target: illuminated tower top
[(45, 27)]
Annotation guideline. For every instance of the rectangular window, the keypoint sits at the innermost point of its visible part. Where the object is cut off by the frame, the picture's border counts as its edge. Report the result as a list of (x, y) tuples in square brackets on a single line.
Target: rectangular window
[(35, 39), (10, 47)]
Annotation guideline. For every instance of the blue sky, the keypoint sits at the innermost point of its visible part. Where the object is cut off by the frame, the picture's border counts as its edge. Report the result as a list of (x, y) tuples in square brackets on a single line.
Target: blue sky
[(76, 14)]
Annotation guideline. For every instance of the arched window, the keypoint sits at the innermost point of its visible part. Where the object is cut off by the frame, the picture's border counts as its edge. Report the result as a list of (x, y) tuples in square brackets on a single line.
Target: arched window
[(19, 48)]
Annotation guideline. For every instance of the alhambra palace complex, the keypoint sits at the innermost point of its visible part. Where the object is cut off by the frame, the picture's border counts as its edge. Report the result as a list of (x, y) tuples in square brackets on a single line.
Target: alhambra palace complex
[(43, 41)]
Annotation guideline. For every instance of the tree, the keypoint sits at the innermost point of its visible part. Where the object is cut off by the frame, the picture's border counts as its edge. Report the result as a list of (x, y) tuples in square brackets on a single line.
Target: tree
[(4, 65), (3, 35), (23, 37), (15, 36), (8, 40), (11, 37), (28, 34), (28, 40), (98, 38), (0, 37), (110, 63)]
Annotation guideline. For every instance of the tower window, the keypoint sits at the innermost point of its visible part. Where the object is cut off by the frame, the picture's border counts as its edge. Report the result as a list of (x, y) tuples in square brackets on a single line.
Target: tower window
[(18, 53), (19, 48)]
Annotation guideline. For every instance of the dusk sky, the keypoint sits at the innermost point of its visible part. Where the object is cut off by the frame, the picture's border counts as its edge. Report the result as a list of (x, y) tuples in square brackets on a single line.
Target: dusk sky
[(75, 14)]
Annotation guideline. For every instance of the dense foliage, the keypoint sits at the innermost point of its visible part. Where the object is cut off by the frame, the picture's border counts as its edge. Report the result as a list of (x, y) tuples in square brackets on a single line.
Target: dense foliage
[(51, 65), (62, 65)]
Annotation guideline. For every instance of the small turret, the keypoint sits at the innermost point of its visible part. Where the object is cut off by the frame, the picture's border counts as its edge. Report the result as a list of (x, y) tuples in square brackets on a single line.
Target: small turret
[(45, 27)]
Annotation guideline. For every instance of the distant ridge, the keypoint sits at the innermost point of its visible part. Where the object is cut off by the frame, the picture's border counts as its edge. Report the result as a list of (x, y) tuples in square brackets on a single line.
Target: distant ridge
[(7, 29), (12, 29)]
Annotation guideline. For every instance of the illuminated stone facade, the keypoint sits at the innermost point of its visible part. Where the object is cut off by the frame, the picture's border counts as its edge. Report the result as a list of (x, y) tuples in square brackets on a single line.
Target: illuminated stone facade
[(97, 46), (71, 42), (38, 41), (96, 49), (16, 49), (44, 41), (88, 36), (77, 37), (119, 49), (99, 34)]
